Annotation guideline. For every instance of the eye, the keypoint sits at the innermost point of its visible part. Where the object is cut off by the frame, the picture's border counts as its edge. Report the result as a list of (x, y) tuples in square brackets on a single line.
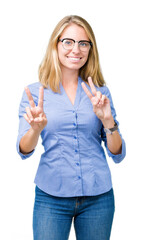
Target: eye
[(68, 42), (84, 44)]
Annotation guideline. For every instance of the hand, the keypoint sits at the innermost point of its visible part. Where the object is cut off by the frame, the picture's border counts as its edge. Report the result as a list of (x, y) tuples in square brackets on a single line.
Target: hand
[(35, 115), (101, 104)]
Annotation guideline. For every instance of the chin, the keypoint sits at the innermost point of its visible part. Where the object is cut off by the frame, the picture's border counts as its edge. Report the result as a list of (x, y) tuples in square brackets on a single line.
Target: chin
[(75, 66)]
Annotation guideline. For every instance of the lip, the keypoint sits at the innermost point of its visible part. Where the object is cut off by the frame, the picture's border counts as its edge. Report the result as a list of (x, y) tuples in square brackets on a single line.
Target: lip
[(73, 57)]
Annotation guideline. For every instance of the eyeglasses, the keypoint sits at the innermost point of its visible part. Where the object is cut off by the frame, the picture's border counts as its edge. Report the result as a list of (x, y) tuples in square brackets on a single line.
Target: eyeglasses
[(69, 43)]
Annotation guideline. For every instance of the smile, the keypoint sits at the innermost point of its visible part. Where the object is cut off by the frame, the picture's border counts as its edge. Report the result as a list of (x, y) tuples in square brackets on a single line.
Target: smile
[(74, 59)]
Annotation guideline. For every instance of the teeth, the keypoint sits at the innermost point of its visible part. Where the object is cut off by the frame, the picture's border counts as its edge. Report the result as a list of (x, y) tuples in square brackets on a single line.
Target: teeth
[(74, 59)]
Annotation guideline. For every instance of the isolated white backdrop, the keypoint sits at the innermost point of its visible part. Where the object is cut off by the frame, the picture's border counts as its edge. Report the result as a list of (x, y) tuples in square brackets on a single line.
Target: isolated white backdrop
[(25, 28)]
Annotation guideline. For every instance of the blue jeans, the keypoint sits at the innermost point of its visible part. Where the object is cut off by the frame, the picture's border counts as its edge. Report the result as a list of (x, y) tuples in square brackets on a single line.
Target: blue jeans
[(92, 216)]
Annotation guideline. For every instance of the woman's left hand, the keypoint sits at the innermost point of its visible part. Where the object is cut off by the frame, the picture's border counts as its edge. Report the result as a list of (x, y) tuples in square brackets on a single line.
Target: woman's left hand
[(101, 104)]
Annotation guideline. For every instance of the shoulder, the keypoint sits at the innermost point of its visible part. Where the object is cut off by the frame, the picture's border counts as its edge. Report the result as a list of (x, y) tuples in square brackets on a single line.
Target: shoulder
[(34, 89), (34, 86), (104, 90)]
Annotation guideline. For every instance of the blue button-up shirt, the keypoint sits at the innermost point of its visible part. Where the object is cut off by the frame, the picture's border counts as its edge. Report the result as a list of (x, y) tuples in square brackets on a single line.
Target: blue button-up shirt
[(74, 161)]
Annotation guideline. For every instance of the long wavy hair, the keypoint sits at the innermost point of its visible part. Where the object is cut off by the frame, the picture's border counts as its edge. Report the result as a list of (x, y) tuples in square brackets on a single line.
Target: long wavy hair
[(49, 70)]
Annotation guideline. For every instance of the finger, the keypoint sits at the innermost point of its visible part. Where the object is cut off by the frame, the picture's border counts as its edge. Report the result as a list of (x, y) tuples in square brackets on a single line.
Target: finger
[(29, 114), (41, 96), (43, 115), (93, 89), (26, 118), (86, 90), (40, 120), (31, 101), (99, 95), (95, 101), (103, 99)]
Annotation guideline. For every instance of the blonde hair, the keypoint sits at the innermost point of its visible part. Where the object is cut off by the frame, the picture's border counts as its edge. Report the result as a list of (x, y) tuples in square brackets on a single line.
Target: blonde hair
[(50, 71)]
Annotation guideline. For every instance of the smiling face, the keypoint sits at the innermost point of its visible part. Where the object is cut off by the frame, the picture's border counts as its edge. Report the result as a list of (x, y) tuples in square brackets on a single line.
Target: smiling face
[(73, 59)]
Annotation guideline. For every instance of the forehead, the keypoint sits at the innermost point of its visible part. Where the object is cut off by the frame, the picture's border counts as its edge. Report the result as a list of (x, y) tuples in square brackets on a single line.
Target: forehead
[(74, 31)]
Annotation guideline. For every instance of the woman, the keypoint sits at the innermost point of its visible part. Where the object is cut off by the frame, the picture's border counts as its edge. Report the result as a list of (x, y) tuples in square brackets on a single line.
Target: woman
[(72, 110)]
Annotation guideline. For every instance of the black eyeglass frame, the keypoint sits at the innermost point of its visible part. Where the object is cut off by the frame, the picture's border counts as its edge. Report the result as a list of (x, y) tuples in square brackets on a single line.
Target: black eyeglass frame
[(61, 40)]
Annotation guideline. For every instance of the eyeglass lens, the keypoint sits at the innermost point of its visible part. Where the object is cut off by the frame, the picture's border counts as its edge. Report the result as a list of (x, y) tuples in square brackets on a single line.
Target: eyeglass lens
[(68, 44)]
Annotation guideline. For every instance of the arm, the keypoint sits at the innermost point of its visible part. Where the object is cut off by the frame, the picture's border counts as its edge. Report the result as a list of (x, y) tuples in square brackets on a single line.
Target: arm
[(102, 109), (36, 118), (114, 141), (29, 141)]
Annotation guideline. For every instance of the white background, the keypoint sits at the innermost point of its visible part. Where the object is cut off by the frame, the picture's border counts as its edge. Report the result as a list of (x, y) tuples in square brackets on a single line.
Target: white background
[(25, 28)]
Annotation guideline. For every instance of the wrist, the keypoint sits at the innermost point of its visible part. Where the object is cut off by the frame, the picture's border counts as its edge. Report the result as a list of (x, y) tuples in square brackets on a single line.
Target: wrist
[(35, 131), (108, 123)]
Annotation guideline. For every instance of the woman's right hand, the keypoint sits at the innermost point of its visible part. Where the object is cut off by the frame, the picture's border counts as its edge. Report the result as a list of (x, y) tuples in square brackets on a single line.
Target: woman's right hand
[(35, 115)]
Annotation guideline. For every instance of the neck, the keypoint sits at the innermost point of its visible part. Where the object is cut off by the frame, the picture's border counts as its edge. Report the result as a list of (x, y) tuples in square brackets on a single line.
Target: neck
[(69, 77)]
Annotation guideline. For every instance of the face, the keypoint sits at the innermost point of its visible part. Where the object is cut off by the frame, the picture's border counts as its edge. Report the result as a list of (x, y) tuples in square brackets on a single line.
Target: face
[(73, 59)]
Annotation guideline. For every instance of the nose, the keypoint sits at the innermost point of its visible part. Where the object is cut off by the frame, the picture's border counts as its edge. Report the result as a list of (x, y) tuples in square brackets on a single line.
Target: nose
[(76, 48)]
